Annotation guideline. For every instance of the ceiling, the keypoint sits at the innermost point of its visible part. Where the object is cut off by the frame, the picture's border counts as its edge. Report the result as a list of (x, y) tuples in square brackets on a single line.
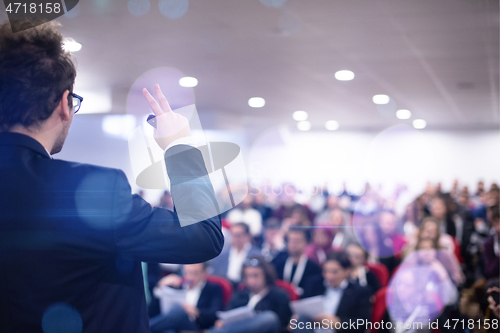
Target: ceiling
[(439, 59)]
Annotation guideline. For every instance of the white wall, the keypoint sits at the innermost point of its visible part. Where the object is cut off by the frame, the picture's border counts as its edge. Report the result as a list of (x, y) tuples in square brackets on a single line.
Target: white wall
[(398, 154)]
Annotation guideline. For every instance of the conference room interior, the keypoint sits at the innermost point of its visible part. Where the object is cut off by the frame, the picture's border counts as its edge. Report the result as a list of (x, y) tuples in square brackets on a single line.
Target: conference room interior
[(366, 130)]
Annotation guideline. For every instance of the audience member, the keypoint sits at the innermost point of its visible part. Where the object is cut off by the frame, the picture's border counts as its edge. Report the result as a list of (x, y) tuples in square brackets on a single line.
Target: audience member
[(343, 231), (490, 253), (261, 205), (344, 301), (322, 238), (429, 228), (370, 238), (439, 211), (248, 215), (260, 293), (360, 273), (293, 265), (391, 234), (228, 264), (274, 240), (203, 300)]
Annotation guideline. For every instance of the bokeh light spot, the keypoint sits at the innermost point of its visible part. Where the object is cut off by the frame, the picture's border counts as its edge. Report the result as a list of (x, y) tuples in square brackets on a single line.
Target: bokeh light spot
[(173, 9), (61, 318)]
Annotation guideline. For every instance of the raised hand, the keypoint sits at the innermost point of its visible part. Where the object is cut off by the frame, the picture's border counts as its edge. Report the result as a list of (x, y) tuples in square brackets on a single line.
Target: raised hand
[(170, 126)]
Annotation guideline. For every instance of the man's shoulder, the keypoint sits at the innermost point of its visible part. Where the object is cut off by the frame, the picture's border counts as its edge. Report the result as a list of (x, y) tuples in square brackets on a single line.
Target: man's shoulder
[(276, 292), (70, 174), (312, 266), (280, 258), (357, 290), (213, 287), (76, 168)]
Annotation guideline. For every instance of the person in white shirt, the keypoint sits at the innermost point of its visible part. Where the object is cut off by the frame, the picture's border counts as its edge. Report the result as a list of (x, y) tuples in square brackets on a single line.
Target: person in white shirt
[(344, 302), (248, 215), (228, 264), (259, 293)]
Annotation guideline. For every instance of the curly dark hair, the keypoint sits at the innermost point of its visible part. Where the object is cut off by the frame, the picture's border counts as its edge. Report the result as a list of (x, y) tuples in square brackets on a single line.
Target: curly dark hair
[(34, 73)]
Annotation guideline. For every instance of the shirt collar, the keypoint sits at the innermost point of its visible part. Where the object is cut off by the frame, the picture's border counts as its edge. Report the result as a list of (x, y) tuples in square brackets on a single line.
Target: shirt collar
[(342, 286), (199, 286), (245, 249)]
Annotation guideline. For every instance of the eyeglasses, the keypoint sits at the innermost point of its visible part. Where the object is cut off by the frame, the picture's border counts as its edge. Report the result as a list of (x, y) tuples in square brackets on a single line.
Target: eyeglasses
[(77, 102)]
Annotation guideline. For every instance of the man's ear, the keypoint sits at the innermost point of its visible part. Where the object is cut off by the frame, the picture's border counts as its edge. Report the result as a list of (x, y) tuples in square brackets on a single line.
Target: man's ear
[(63, 107)]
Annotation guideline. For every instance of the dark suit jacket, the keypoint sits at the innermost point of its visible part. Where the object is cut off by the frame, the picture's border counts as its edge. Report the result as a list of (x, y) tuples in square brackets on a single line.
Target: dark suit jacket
[(311, 272), (354, 304), (209, 303), (72, 238), (491, 260), (372, 282), (276, 300)]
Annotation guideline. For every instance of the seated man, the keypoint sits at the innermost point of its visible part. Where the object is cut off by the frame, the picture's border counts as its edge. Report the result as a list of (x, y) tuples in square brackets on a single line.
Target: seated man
[(293, 265), (203, 299), (259, 292), (228, 264), (345, 302)]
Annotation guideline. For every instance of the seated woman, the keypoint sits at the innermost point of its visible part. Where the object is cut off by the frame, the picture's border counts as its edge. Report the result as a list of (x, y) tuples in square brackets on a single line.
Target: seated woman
[(421, 290), (344, 301), (259, 292), (360, 273), (430, 228), (370, 238), (446, 259), (322, 238)]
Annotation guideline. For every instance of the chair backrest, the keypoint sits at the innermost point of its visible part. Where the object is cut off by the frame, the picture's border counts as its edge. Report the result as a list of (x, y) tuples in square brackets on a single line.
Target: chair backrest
[(381, 272), (289, 288), (457, 251), (227, 287), (379, 307)]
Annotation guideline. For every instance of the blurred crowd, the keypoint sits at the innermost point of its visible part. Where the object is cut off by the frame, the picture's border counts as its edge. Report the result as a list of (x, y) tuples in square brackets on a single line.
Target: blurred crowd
[(429, 259)]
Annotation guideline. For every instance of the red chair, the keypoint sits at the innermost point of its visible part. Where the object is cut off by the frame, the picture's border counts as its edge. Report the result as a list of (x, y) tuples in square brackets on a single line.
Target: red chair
[(381, 272), (457, 251), (379, 307), (289, 288), (285, 285), (227, 287)]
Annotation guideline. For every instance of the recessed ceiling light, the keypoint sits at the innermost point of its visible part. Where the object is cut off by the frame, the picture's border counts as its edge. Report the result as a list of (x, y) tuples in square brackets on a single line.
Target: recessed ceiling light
[(70, 45), (188, 82), (419, 123), (403, 114), (300, 115), (344, 75), (304, 125), (256, 102), (381, 99), (332, 125)]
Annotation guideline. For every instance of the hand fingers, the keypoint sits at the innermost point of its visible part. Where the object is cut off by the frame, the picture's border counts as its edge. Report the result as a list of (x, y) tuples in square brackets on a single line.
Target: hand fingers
[(163, 101), (152, 102)]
